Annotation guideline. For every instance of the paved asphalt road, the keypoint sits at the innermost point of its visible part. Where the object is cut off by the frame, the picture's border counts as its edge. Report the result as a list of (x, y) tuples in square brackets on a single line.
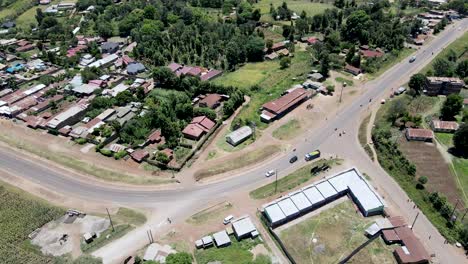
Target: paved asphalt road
[(64, 181)]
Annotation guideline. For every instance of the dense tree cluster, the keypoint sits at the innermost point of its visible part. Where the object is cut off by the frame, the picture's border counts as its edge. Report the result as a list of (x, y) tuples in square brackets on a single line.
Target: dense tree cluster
[(174, 31)]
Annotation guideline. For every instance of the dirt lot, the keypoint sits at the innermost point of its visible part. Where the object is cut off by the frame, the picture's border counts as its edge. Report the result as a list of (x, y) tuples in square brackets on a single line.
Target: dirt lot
[(332, 234), (430, 163)]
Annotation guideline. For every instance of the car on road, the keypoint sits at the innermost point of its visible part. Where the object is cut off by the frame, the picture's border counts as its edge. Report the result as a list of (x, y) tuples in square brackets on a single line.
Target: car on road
[(293, 159), (270, 173), (400, 90), (312, 155), (228, 219), (412, 59)]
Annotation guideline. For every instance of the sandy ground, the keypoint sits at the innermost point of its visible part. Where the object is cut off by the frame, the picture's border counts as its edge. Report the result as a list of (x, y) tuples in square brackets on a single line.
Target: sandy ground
[(49, 236)]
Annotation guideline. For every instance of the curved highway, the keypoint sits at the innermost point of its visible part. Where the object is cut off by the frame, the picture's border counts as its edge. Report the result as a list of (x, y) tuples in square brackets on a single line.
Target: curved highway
[(65, 182)]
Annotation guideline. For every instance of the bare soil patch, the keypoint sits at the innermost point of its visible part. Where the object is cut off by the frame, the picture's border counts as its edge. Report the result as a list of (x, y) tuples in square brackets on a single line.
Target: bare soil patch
[(430, 163)]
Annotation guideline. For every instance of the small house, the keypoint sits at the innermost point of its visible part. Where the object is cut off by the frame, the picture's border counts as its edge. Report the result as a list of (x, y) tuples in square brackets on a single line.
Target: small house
[(317, 77), (109, 47), (221, 239), (139, 155), (243, 228), (199, 126), (444, 126), (353, 70), (211, 101), (135, 68), (419, 134), (238, 136)]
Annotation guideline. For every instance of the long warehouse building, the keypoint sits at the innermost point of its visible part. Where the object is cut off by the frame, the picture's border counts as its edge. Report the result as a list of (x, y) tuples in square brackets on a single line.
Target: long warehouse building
[(316, 195)]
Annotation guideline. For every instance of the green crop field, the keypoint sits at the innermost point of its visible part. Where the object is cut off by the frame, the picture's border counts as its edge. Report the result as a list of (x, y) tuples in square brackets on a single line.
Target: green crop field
[(297, 6), (21, 214)]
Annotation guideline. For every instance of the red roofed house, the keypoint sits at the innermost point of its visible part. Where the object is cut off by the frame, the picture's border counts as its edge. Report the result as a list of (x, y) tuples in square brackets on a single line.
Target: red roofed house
[(169, 153), (419, 134), (211, 74), (155, 137), (278, 46), (279, 107), (199, 126), (412, 250), (444, 126), (312, 40), (211, 101), (371, 53), (139, 155)]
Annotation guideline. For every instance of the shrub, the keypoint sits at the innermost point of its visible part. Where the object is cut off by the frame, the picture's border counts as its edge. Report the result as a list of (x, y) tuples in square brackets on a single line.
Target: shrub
[(81, 141), (422, 179), (106, 152), (120, 154)]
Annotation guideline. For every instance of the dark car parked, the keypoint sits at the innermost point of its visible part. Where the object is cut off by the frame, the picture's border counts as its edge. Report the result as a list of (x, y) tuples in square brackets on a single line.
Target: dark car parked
[(293, 159)]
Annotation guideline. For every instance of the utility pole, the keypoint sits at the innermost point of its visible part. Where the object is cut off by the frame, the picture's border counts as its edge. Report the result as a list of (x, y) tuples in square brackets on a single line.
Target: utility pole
[(414, 222), (110, 219), (454, 208), (276, 180), (341, 93), (463, 217)]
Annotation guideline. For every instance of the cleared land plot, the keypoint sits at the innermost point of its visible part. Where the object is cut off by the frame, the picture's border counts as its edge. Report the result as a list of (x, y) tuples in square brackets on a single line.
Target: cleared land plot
[(291, 181), (248, 159), (236, 253), (288, 131), (337, 231), (272, 81), (203, 216), (430, 163)]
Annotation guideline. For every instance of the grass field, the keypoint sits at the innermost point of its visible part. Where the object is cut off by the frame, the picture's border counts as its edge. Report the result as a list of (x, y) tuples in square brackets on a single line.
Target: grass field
[(20, 214), (460, 169), (272, 80), (15, 9), (222, 143), (391, 60), (445, 139), (288, 131), (344, 80), (236, 253), (204, 215), (291, 181), (337, 231), (362, 136), (106, 237), (459, 46), (125, 215), (311, 8), (248, 159)]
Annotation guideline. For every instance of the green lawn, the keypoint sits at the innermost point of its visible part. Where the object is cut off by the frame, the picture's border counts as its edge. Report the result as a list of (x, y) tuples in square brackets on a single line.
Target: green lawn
[(445, 139), (236, 253), (14, 9), (253, 157), (344, 80), (460, 167), (272, 80), (311, 8), (459, 46), (291, 181), (288, 130), (106, 237), (337, 231)]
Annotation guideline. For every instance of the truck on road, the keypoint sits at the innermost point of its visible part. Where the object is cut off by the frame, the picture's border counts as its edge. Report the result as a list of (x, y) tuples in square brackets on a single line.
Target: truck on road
[(312, 155)]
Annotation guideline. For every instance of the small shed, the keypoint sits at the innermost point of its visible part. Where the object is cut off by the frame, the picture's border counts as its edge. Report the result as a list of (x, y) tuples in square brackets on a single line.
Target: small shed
[(418, 134), (243, 227), (238, 136), (221, 239), (317, 77), (135, 68), (207, 241)]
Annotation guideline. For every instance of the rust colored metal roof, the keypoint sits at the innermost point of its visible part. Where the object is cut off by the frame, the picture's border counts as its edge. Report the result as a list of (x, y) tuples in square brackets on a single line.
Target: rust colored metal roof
[(420, 133), (286, 101), (413, 250), (448, 125)]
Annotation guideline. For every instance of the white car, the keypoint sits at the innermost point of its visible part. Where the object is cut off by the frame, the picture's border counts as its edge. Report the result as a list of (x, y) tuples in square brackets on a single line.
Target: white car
[(228, 219), (270, 173), (412, 59), (383, 101)]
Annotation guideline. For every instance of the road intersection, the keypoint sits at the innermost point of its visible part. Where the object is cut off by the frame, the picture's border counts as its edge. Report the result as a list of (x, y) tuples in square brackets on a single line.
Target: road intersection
[(177, 201)]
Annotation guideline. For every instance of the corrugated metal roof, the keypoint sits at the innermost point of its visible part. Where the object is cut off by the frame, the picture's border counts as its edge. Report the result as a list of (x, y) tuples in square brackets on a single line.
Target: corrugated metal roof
[(300, 200), (313, 195), (326, 189), (288, 207), (274, 212)]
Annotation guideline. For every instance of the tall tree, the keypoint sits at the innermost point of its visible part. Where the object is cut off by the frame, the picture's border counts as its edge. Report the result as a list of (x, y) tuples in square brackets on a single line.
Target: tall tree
[(451, 107), (460, 139), (417, 82)]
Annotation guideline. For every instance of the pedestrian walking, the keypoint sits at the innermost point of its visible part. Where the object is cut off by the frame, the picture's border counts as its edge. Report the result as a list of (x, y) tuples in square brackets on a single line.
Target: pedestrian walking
[(429, 237)]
